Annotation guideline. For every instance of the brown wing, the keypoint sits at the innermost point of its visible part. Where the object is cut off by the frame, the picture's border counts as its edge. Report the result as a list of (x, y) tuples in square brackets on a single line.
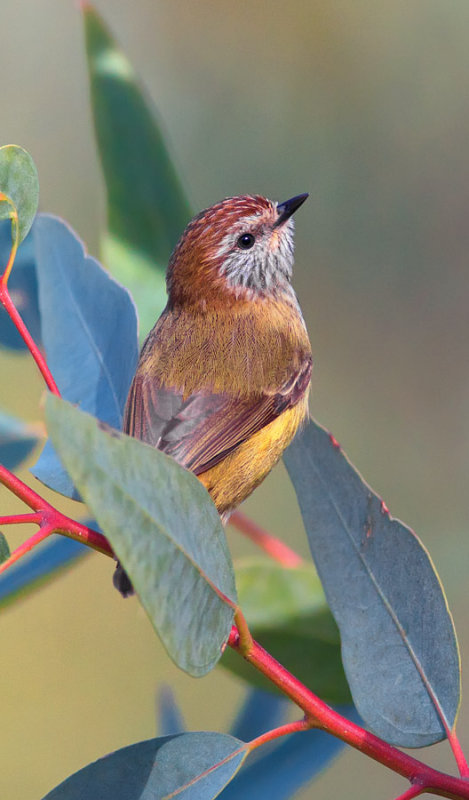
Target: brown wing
[(202, 429)]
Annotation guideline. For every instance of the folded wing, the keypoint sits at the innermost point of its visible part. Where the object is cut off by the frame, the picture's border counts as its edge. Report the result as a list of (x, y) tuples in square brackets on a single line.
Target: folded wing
[(202, 429)]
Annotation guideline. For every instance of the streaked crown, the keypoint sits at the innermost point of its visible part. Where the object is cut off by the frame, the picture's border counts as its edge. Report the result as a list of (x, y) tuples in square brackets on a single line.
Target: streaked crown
[(242, 246)]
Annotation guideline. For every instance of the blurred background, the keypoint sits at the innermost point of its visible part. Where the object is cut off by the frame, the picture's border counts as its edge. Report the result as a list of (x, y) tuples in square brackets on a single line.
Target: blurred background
[(365, 106)]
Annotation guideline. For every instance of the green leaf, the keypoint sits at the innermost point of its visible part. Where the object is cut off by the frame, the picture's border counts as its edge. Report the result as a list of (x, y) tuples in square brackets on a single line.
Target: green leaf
[(162, 526), (398, 640), (4, 549), (146, 205), (189, 766), (287, 613), (19, 182)]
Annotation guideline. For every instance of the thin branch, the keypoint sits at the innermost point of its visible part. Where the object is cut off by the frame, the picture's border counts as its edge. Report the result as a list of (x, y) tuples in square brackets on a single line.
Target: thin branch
[(48, 518), (15, 317), (16, 519), (25, 547), (326, 719), (412, 791), (274, 547), (283, 730), (10, 308), (81, 533), (461, 760), (22, 490)]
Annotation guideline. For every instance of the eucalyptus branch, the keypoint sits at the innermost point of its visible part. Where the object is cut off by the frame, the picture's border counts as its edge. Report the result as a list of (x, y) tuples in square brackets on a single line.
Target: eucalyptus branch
[(325, 718), (49, 519)]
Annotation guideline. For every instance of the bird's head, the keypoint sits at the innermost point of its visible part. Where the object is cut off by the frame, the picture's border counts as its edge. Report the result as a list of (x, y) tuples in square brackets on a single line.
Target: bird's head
[(236, 249)]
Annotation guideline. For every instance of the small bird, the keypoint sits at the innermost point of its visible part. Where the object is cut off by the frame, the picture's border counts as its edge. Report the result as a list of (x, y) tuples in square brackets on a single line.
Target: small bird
[(223, 378)]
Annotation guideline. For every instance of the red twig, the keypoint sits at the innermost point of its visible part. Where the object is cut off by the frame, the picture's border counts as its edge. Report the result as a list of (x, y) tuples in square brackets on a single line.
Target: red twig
[(412, 791), (48, 518), (15, 519), (43, 532), (274, 547), (283, 730), (325, 718), (14, 315), (461, 760)]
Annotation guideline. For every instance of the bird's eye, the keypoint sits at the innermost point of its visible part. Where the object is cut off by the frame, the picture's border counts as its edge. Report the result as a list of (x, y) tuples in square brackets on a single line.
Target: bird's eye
[(246, 241)]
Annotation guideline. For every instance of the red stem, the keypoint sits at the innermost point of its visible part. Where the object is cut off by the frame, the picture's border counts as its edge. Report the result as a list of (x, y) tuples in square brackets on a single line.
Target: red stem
[(412, 791), (21, 490), (461, 760), (274, 547), (81, 533), (9, 306), (15, 519), (275, 733), (330, 721), (25, 547), (48, 517)]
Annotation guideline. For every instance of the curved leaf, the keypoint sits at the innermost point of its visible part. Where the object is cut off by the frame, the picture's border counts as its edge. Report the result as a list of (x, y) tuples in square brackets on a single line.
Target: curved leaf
[(287, 614), (163, 527), (189, 766), (398, 641), (22, 285), (147, 207), (89, 330), (20, 183), (17, 439)]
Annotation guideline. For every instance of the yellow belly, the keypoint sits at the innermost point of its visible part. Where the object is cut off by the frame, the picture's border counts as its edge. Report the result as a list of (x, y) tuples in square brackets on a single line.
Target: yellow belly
[(234, 478)]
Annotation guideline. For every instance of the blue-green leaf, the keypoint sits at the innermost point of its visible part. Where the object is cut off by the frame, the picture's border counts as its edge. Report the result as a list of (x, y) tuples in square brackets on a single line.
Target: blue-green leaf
[(398, 640), (163, 527), (189, 766), (89, 330)]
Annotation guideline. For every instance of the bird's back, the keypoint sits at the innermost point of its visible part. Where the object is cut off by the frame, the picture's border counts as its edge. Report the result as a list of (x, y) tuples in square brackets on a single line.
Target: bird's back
[(223, 393)]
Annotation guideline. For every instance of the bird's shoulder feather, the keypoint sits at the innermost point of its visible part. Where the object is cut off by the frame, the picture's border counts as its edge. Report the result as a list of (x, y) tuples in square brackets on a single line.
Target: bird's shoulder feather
[(217, 391)]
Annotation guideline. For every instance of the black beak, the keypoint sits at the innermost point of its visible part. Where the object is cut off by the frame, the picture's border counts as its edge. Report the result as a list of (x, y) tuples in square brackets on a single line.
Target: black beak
[(286, 209)]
